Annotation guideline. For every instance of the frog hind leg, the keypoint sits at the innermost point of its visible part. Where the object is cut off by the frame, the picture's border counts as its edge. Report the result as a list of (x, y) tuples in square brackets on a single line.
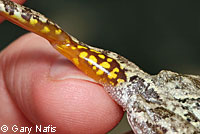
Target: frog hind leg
[(150, 118)]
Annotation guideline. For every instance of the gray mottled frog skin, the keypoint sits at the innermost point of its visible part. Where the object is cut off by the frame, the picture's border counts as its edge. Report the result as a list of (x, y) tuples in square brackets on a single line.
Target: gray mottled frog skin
[(166, 103)]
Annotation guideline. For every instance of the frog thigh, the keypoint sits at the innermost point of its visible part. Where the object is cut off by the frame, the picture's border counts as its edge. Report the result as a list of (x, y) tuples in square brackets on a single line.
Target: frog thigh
[(148, 118)]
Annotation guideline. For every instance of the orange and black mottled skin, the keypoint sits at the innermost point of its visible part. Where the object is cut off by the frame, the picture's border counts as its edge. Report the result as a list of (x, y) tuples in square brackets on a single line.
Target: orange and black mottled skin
[(96, 64), (32, 21)]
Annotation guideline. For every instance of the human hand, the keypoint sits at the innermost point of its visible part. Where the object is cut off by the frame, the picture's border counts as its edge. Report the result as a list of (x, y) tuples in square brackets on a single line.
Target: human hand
[(40, 86)]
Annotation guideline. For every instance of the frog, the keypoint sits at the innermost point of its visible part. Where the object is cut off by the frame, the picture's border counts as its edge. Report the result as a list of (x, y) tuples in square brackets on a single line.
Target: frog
[(165, 103)]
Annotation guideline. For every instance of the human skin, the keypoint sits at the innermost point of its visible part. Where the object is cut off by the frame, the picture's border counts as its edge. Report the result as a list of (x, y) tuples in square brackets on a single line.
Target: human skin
[(40, 86)]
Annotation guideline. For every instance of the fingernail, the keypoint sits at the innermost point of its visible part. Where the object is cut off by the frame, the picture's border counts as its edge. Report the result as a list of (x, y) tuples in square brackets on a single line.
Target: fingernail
[(62, 69)]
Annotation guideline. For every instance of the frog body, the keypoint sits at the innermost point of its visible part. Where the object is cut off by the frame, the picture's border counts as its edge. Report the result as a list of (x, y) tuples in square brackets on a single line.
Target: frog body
[(166, 103)]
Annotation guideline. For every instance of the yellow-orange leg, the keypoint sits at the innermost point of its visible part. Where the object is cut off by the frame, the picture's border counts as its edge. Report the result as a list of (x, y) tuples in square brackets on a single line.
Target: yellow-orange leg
[(94, 63), (166, 103)]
